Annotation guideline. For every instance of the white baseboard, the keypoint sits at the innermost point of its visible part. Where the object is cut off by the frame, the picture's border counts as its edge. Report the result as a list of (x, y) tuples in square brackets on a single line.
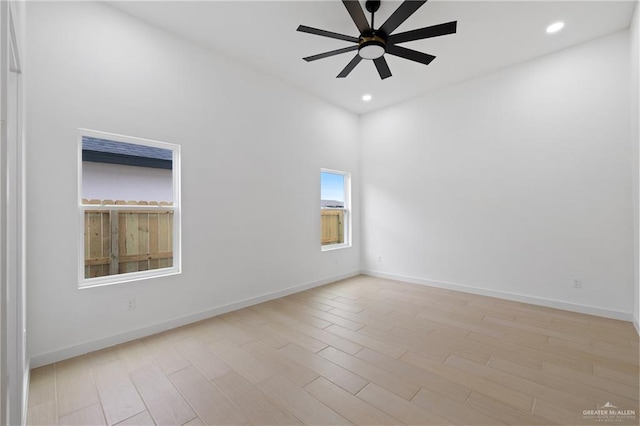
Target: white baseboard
[(550, 303), (636, 324), (105, 342)]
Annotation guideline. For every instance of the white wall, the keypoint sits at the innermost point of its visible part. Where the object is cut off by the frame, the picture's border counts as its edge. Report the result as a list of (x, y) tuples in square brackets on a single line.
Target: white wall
[(102, 181), (513, 183), (251, 147), (634, 52)]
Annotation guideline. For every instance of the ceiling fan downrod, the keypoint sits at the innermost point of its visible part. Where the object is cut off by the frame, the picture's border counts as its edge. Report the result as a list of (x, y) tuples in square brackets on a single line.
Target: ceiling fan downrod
[(372, 6)]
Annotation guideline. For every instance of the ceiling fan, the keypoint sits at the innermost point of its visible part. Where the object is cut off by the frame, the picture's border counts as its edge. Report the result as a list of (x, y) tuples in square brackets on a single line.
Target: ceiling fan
[(373, 43)]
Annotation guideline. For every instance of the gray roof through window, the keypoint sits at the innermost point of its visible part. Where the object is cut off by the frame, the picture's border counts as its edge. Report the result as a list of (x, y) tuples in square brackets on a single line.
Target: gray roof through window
[(123, 148)]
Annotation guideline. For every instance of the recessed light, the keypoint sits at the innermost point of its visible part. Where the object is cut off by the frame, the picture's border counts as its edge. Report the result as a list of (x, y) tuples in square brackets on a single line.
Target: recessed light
[(555, 27), (366, 98)]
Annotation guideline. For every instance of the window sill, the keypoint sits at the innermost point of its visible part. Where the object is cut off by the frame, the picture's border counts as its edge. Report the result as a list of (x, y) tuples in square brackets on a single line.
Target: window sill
[(334, 247), (125, 278)]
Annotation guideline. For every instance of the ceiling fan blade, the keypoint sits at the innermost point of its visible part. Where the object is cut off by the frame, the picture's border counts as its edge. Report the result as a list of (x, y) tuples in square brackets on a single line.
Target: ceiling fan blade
[(331, 53), (357, 14), (383, 67), (401, 14), (412, 55), (427, 32), (315, 31), (350, 66)]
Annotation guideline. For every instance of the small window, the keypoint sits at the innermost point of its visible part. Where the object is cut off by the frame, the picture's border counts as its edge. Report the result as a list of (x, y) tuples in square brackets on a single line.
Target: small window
[(335, 204), (129, 208)]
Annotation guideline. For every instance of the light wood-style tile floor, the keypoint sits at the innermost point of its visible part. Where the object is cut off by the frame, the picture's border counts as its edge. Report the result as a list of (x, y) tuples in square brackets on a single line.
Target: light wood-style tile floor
[(360, 351)]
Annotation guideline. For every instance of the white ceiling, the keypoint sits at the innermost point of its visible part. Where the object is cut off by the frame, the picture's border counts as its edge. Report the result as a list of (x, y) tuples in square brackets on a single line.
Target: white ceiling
[(491, 35)]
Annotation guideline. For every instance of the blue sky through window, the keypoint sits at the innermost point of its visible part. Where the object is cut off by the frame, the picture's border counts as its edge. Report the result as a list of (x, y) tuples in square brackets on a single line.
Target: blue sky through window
[(331, 186)]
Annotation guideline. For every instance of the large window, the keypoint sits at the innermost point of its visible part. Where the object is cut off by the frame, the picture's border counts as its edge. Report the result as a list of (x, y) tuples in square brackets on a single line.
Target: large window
[(335, 204), (129, 208)]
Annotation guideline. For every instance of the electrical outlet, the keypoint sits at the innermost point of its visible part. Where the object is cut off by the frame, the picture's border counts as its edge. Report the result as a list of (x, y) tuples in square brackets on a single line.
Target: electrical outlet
[(379, 259), (131, 304), (577, 283)]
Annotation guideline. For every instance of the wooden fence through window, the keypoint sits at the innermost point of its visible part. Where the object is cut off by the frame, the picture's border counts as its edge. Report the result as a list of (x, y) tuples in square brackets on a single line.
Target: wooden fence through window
[(332, 225), (143, 238)]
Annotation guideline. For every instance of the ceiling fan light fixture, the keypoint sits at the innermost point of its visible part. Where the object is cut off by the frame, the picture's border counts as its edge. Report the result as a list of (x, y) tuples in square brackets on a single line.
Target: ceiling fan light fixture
[(371, 48)]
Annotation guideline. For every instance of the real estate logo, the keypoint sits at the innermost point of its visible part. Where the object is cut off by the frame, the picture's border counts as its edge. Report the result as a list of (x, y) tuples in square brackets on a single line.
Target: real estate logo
[(609, 413)]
